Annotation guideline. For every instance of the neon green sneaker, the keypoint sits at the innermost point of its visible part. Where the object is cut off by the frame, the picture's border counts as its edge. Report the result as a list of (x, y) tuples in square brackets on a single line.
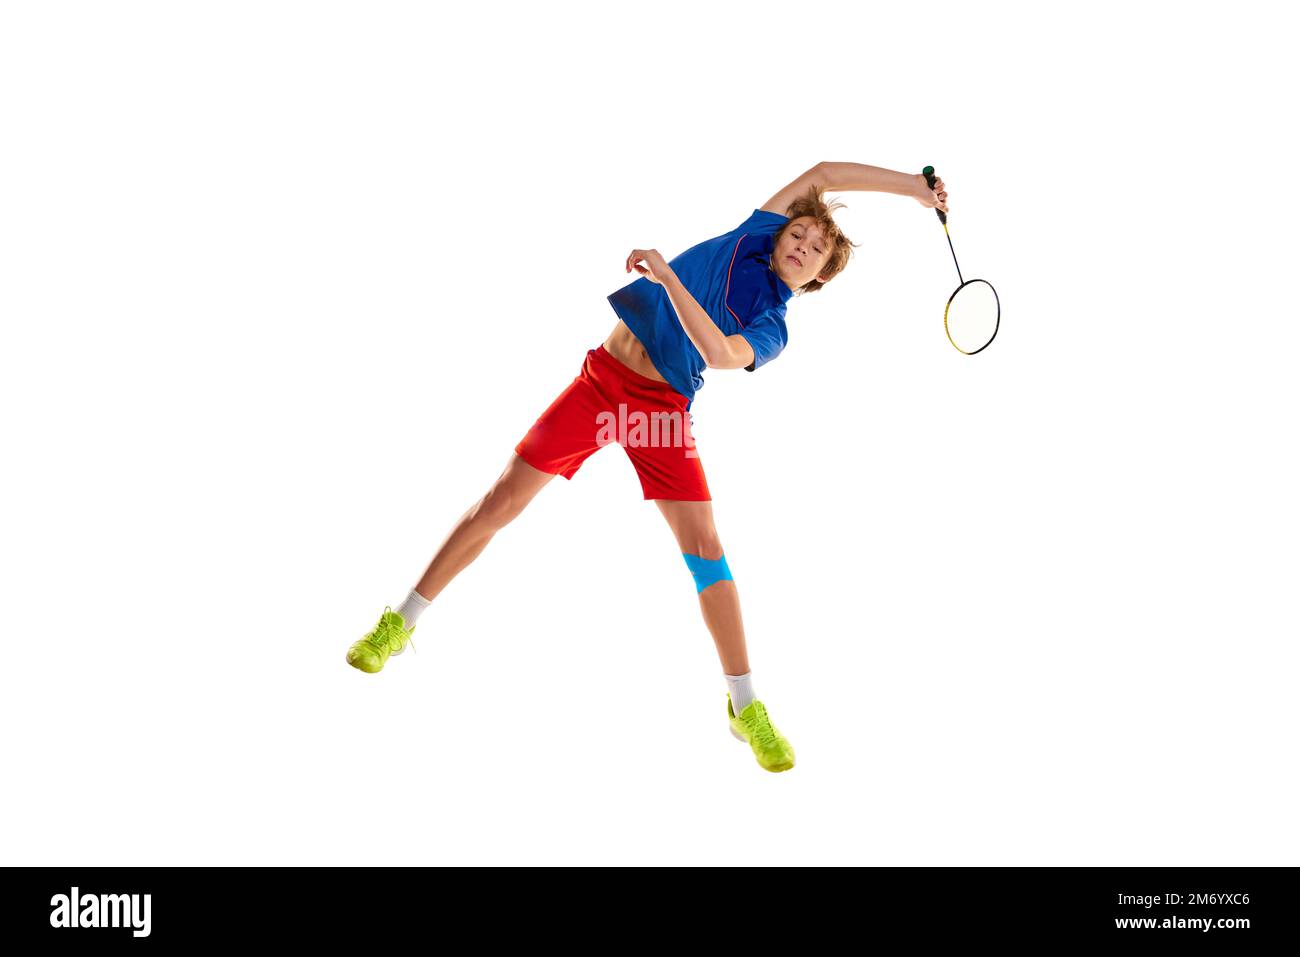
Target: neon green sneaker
[(389, 637), (773, 751)]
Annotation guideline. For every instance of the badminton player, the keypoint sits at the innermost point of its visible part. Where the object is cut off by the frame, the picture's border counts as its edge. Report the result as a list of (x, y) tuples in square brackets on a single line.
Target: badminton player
[(721, 304)]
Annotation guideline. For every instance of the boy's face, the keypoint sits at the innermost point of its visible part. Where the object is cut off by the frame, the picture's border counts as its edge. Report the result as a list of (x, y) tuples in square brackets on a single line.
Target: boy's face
[(801, 252)]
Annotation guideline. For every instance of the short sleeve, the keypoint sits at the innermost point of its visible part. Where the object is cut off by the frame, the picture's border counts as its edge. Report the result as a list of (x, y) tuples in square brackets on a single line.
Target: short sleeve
[(761, 221), (767, 334)]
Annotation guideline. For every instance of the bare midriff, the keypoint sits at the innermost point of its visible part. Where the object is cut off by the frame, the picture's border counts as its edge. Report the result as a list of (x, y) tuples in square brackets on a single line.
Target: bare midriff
[(624, 346)]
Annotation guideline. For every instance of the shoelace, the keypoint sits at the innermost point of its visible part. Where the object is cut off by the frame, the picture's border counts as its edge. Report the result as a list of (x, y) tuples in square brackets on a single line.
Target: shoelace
[(764, 733), (386, 633)]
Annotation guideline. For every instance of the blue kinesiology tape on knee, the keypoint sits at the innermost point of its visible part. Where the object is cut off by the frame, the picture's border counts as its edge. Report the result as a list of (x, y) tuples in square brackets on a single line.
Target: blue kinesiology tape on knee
[(707, 571)]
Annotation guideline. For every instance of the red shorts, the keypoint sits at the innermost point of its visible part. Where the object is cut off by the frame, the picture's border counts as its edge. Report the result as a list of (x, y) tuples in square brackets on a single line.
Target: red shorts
[(609, 403)]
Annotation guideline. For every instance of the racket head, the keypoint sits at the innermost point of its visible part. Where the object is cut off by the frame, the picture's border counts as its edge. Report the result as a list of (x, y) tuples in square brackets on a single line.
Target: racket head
[(972, 316)]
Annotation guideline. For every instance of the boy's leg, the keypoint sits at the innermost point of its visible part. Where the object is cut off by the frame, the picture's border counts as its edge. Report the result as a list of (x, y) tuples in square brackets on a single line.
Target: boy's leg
[(507, 497), (692, 525), (561, 439)]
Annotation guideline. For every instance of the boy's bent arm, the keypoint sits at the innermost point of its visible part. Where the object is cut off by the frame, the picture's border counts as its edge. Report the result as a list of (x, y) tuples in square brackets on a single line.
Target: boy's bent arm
[(718, 351)]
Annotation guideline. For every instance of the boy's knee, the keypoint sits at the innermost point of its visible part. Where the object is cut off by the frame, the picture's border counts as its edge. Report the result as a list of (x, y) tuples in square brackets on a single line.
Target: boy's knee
[(706, 545), (497, 507), (707, 571)]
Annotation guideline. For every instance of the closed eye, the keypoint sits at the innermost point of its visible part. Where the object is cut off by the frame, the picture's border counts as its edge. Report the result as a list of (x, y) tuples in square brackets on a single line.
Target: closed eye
[(800, 236)]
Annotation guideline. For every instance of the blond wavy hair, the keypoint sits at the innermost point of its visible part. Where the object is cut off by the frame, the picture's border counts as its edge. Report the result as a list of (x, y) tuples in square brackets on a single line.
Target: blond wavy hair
[(812, 204)]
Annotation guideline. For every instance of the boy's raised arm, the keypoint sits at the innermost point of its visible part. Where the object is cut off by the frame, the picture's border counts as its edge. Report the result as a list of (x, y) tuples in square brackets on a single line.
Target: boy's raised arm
[(846, 177), (842, 177)]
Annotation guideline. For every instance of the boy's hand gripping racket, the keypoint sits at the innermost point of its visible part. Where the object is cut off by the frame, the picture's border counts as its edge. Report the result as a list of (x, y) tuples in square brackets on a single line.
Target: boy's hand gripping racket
[(971, 319)]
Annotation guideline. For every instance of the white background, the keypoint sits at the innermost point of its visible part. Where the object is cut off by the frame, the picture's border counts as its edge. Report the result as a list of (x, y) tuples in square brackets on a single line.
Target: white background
[(283, 283)]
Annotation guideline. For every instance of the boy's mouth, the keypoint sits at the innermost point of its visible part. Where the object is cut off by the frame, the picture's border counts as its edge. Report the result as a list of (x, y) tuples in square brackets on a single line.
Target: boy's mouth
[(795, 260)]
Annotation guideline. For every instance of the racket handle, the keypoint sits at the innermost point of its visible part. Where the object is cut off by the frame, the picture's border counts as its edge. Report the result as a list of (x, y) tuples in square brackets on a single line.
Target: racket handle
[(928, 173)]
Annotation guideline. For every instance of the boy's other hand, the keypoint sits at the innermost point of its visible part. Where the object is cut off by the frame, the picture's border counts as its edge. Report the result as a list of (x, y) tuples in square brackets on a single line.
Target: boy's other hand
[(655, 269), (931, 198)]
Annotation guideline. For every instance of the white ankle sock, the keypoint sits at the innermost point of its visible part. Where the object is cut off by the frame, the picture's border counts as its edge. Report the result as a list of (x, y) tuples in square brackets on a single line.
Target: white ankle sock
[(410, 609), (742, 691)]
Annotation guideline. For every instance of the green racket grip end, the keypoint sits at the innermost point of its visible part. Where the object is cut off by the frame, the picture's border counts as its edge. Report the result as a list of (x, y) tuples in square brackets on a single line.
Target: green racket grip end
[(928, 173)]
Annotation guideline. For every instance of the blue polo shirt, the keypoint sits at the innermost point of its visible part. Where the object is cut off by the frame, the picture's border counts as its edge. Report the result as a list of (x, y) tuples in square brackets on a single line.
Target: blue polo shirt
[(732, 279)]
